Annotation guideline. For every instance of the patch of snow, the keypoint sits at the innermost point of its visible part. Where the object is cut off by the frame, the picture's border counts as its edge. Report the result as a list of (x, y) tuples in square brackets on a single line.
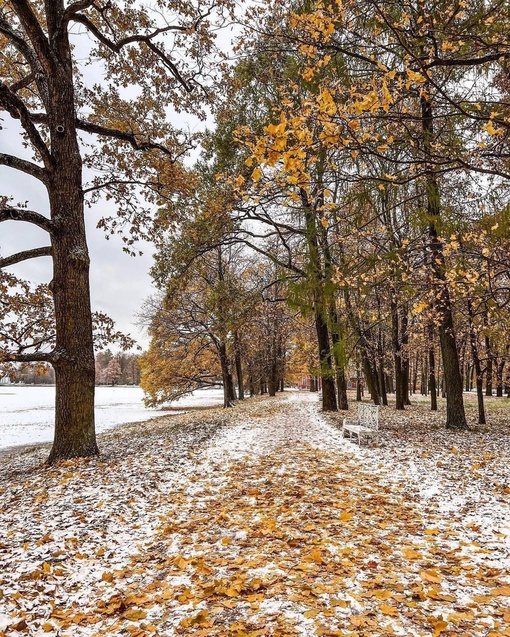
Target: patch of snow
[(27, 412)]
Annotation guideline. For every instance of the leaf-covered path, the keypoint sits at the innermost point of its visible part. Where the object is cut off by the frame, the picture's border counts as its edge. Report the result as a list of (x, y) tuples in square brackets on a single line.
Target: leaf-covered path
[(260, 521)]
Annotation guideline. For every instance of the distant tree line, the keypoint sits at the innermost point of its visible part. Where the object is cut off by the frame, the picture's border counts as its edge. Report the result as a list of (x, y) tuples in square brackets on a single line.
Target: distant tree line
[(117, 369)]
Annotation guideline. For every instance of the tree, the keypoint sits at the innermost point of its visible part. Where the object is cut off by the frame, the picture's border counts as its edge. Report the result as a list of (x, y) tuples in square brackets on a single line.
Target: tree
[(41, 88)]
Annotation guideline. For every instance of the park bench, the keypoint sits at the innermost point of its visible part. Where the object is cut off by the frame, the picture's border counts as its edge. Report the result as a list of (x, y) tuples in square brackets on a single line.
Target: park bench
[(365, 425)]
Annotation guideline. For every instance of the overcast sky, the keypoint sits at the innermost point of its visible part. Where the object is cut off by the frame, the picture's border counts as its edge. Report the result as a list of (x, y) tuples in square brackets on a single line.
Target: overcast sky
[(119, 283)]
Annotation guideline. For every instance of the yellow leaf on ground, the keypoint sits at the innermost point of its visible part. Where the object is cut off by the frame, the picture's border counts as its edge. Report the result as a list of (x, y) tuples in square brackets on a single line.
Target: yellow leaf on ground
[(134, 614), (431, 576)]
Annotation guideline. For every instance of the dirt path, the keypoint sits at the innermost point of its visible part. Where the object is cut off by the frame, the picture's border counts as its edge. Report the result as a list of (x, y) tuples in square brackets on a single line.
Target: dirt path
[(261, 521)]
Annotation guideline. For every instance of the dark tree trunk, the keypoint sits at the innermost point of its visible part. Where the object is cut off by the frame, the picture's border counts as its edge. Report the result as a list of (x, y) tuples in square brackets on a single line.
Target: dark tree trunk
[(381, 380), (341, 382), (499, 377), (476, 364), (272, 384), (455, 413), (406, 373), (415, 374), (489, 368), (468, 376), (370, 377), (228, 381), (328, 382), (317, 280), (74, 353), (397, 358), (359, 392), (239, 366), (432, 370)]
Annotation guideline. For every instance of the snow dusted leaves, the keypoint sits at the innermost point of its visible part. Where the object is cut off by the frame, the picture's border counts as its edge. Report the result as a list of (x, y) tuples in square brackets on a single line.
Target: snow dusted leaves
[(257, 522)]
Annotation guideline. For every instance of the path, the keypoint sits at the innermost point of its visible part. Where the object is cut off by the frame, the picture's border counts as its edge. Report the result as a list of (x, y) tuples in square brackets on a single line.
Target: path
[(262, 521)]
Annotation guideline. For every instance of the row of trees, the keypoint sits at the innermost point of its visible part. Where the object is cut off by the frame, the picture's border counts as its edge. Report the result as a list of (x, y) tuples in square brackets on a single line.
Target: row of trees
[(121, 368), (111, 369), (361, 149)]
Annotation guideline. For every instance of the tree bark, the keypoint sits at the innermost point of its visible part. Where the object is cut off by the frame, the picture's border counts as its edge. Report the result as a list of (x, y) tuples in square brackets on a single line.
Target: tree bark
[(326, 362), (239, 366), (370, 377), (432, 384), (74, 353), (397, 358), (489, 367), (477, 365), (500, 368), (341, 382), (228, 381), (455, 413)]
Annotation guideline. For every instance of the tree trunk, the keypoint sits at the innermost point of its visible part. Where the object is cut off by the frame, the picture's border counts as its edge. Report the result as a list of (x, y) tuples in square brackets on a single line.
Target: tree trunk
[(359, 392), (489, 368), (455, 413), (74, 353), (370, 377), (468, 376), (405, 356), (328, 382), (381, 380), (239, 366), (397, 358), (228, 382), (415, 374), (341, 382), (499, 377), (477, 365), (432, 369)]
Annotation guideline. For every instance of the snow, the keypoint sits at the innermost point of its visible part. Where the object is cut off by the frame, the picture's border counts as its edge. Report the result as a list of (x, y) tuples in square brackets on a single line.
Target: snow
[(27, 412), (263, 521)]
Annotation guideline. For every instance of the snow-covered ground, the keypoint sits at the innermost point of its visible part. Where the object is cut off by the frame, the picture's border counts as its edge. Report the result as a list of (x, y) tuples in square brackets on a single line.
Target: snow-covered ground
[(27, 413), (261, 521)]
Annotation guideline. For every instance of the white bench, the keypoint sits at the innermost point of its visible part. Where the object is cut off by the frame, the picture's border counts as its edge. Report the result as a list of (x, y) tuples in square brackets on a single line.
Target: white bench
[(365, 425)]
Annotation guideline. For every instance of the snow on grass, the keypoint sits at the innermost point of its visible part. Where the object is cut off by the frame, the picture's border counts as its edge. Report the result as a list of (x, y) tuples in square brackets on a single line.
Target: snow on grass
[(27, 413), (261, 521)]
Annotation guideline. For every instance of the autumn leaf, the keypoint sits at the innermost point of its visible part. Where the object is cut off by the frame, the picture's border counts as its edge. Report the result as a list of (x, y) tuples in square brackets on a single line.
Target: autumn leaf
[(431, 575)]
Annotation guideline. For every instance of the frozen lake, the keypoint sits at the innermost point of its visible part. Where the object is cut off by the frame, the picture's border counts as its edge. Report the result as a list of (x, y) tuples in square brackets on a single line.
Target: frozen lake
[(26, 413)]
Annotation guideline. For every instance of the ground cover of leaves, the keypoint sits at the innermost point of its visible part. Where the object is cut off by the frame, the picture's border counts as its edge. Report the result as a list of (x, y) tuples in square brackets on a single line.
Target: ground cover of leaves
[(262, 521)]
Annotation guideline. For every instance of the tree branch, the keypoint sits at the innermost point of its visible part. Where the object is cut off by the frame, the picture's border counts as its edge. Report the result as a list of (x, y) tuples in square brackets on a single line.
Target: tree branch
[(27, 167), (23, 83), (72, 9), (17, 110), (476, 61), (35, 33), (45, 251), (142, 39), (29, 216), (36, 357), (18, 42), (125, 136)]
